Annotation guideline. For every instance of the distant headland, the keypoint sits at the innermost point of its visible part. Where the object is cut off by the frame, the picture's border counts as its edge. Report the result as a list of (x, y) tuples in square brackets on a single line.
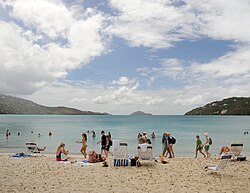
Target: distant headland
[(140, 113), (15, 105), (229, 106)]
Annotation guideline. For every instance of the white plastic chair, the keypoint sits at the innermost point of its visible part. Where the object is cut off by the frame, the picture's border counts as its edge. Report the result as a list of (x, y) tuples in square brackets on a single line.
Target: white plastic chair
[(220, 166), (120, 153), (236, 149)]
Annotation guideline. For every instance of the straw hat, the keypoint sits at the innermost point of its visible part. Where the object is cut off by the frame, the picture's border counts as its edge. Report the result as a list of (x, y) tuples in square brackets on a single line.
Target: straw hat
[(206, 134)]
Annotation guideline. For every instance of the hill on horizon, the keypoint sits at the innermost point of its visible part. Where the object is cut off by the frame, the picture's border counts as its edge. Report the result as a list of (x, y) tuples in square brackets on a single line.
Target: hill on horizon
[(15, 105), (140, 113), (229, 106)]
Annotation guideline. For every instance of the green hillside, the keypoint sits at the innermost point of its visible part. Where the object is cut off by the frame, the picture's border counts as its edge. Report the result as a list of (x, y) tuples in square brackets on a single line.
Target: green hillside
[(14, 105), (229, 106)]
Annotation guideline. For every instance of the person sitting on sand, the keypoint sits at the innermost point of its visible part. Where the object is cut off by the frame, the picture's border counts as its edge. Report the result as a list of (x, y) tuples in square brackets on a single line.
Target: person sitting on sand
[(199, 147), (94, 157), (84, 145), (224, 150), (59, 151)]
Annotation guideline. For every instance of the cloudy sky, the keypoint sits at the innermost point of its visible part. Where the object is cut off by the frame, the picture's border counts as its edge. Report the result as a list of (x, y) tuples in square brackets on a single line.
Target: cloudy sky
[(158, 56)]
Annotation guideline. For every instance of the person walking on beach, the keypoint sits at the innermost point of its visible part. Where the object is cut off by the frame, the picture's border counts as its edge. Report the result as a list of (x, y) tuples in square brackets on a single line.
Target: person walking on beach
[(103, 142), (84, 145), (199, 147), (108, 144), (207, 145), (171, 141), (165, 141)]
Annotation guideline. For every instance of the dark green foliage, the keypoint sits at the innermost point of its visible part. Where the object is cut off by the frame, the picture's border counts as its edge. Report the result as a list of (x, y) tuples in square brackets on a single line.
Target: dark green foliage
[(229, 106), (14, 105)]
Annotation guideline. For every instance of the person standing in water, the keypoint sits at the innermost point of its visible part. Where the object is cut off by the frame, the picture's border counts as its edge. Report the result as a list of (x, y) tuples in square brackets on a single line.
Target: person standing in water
[(84, 145)]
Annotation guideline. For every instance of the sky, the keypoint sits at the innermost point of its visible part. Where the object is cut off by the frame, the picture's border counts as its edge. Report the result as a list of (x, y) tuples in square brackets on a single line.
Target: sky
[(163, 57)]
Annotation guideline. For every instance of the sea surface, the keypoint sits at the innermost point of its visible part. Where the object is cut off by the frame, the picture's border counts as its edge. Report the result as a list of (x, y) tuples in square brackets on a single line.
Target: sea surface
[(68, 129)]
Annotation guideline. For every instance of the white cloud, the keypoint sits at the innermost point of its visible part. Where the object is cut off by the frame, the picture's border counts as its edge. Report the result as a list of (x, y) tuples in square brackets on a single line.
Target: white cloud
[(161, 23), (44, 40), (155, 24), (123, 81)]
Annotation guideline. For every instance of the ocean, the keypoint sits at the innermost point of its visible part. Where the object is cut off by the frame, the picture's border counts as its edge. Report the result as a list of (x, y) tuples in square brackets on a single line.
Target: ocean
[(68, 129)]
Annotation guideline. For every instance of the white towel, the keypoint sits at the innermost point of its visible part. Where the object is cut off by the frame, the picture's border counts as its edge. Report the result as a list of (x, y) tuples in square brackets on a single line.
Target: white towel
[(116, 145), (143, 147)]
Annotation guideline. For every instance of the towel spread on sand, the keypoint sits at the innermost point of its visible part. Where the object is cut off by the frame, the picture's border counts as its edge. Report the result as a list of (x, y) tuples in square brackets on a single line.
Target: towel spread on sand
[(83, 163), (143, 147)]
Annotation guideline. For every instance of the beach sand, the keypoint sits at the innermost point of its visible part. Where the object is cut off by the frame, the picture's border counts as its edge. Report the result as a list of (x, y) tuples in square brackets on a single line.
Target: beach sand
[(44, 174)]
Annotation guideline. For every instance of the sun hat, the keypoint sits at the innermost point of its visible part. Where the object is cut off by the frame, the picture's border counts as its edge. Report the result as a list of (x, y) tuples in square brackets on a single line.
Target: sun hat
[(206, 134)]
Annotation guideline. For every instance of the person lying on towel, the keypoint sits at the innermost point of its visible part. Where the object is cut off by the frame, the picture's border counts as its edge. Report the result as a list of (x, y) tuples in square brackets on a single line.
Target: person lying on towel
[(94, 157)]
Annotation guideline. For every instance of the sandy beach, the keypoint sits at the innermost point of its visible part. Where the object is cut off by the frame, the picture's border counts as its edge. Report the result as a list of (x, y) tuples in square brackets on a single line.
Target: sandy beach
[(44, 174)]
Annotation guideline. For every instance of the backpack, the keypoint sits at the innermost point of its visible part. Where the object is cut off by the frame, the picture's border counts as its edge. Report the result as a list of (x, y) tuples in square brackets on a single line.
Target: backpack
[(110, 142), (173, 140), (210, 141)]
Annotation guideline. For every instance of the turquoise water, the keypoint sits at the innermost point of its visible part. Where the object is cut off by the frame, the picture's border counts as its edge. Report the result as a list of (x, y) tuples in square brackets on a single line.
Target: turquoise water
[(222, 129)]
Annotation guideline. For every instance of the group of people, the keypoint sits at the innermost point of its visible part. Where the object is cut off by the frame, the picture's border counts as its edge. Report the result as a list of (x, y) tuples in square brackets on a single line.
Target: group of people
[(200, 145), (168, 142), (142, 137), (93, 156)]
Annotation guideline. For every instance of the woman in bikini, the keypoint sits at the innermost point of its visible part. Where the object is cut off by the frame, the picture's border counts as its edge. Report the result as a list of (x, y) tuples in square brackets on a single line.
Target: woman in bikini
[(84, 145), (59, 151)]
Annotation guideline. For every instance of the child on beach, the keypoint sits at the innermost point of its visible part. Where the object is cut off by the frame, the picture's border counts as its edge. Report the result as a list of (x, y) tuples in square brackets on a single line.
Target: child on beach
[(199, 147)]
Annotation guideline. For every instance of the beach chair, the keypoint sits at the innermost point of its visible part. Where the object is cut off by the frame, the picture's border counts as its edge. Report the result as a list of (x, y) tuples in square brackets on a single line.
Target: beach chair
[(120, 153), (220, 166), (32, 148), (236, 149), (145, 152)]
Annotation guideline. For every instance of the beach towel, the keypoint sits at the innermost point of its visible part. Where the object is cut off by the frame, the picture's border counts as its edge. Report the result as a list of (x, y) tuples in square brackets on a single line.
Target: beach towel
[(19, 155), (63, 162), (116, 145), (143, 147), (83, 163)]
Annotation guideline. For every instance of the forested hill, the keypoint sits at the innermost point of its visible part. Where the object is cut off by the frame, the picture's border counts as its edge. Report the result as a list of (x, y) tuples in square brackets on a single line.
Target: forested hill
[(14, 105), (229, 106)]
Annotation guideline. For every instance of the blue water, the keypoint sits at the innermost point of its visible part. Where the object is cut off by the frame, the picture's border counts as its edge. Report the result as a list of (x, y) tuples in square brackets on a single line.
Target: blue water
[(222, 129)]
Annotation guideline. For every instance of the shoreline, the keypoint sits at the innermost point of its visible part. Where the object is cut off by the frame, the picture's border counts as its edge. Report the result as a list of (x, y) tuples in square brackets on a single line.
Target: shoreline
[(186, 174)]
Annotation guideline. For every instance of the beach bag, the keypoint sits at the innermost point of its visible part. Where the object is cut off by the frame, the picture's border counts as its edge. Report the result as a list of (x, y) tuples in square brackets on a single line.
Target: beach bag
[(173, 140), (210, 141), (241, 158), (133, 162)]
